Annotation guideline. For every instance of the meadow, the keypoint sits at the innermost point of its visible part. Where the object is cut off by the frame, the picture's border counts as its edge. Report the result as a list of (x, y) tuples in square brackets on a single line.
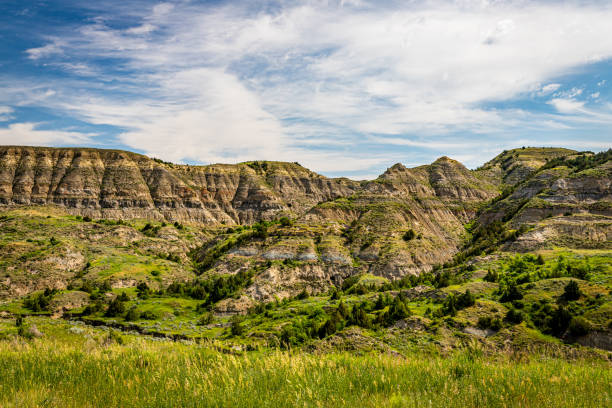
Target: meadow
[(94, 370)]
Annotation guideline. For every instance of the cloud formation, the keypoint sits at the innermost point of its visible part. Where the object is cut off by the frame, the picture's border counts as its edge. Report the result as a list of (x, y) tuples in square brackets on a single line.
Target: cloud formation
[(239, 81), (28, 134)]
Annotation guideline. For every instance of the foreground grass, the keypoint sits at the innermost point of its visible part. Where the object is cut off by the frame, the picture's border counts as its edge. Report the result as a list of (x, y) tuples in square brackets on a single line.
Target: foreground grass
[(53, 373)]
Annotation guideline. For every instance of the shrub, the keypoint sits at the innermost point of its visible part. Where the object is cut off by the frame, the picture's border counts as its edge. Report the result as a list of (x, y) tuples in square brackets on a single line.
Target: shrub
[(329, 327), (105, 287), (236, 328), (132, 314), (285, 221), (409, 235), (87, 287), (302, 295), (514, 316), (206, 318), (342, 310), (149, 315), (571, 291), (359, 316), (510, 292), (39, 302), (116, 308), (579, 326), (93, 308), (143, 290), (398, 311), (559, 321), (488, 322), (335, 294)]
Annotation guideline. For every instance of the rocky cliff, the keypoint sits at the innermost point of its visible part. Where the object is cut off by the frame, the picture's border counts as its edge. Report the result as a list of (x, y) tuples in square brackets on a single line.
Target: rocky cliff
[(119, 184), (404, 222)]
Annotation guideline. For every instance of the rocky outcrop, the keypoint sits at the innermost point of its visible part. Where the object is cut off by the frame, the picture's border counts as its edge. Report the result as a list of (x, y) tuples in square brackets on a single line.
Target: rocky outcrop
[(119, 184)]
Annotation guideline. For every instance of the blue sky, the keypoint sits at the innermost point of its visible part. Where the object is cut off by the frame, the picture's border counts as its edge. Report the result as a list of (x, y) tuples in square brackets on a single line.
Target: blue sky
[(347, 88)]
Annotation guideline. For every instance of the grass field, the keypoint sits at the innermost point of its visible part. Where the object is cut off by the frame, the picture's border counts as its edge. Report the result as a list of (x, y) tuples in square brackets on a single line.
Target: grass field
[(90, 372)]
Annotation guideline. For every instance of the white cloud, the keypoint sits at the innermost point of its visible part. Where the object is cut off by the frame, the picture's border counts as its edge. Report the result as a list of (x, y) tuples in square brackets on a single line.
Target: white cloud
[(567, 105), (142, 29), (44, 51), (232, 82), (6, 113), (548, 89), (27, 134)]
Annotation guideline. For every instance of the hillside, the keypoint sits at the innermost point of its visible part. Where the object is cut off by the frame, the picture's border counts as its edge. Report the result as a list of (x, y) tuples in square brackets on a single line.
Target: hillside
[(270, 254)]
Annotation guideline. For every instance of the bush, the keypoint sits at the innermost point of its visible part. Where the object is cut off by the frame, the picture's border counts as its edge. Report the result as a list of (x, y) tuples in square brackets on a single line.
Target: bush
[(359, 316), (285, 221), (510, 292), (579, 326), (571, 291), (149, 315), (488, 322), (514, 316), (116, 308), (39, 302), (206, 318), (409, 235), (143, 290), (330, 326), (132, 314), (93, 308), (559, 321), (237, 329), (302, 295), (105, 287)]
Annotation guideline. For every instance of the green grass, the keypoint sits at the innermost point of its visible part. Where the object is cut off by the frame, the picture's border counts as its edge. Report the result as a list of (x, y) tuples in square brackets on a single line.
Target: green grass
[(89, 372)]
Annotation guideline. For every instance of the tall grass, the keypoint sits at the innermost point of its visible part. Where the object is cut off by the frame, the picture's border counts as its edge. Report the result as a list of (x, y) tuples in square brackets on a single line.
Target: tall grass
[(147, 374)]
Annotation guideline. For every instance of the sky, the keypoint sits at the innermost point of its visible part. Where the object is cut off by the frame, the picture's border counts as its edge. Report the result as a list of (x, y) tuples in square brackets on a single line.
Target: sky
[(345, 88)]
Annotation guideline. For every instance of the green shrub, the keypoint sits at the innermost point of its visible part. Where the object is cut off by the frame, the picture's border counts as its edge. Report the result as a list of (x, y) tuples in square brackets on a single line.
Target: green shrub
[(514, 316), (205, 319), (579, 326), (285, 222), (491, 276), (359, 317), (489, 322), (510, 292), (149, 315), (559, 321), (409, 235), (236, 328), (93, 308), (116, 308), (39, 302), (143, 291), (571, 291), (132, 314)]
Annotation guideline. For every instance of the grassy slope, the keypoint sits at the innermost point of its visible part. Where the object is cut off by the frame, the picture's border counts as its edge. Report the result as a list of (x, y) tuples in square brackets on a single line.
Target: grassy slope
[(81, 367)]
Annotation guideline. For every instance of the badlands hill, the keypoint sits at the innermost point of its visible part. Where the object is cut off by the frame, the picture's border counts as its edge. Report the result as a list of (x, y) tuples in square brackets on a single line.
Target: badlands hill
[(276, 241)]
